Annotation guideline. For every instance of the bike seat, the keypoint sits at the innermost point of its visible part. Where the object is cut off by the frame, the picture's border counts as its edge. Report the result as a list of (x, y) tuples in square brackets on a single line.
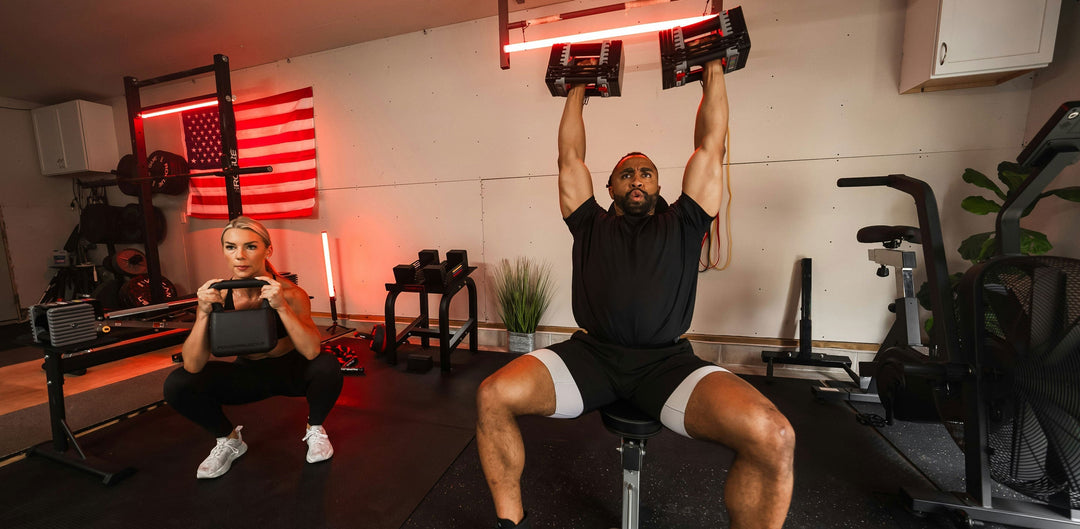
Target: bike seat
[(888, 233)]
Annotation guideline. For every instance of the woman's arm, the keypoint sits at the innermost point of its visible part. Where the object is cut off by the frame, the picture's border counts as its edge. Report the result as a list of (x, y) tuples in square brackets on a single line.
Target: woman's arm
[(196, 348), (294, 308)]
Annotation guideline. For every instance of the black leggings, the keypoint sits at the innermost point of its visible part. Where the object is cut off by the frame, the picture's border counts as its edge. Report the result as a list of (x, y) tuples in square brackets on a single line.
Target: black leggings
[(199, 396)]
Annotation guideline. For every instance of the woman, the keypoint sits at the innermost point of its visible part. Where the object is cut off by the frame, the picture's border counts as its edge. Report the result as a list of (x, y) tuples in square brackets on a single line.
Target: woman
[(294, 367)]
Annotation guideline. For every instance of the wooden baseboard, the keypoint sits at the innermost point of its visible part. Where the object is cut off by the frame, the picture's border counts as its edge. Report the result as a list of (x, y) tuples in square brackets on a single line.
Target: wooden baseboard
[(755, 341)]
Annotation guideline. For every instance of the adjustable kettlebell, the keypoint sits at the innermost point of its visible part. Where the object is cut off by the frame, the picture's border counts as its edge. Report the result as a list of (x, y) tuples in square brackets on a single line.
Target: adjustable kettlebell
[(241, 332)]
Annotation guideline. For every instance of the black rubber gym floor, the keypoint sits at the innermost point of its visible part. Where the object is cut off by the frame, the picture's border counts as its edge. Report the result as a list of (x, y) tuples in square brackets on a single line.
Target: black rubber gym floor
[(406, 457)]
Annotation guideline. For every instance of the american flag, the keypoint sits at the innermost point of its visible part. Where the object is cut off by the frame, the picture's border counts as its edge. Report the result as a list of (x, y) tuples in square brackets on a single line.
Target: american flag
[(278, 131)]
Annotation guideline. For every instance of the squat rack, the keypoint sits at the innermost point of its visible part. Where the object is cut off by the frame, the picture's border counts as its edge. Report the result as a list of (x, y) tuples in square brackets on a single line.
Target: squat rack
[(230, 167)]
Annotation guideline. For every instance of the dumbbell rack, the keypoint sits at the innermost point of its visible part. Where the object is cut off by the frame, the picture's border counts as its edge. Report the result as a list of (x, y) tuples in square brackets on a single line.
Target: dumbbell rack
[(421, 325)]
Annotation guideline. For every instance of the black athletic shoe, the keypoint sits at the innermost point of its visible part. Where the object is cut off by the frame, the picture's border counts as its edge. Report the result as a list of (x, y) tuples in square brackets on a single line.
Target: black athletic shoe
[(507, 524)]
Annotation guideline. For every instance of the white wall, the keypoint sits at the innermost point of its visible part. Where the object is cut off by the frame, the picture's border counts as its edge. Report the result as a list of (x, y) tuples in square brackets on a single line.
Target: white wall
[(423, 142), (36, 209)]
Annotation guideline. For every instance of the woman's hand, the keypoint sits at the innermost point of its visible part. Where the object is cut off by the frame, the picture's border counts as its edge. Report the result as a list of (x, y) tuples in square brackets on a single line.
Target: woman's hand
[(208, 296), (272, 293)]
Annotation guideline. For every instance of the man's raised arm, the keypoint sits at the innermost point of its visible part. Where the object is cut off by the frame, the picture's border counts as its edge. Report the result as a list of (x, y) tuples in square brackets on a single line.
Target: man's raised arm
[(575, 182), (702, 179)]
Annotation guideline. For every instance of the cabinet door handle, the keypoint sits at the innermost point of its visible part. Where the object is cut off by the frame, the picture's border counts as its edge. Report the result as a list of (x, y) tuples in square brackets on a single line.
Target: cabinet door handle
[(944, 51)]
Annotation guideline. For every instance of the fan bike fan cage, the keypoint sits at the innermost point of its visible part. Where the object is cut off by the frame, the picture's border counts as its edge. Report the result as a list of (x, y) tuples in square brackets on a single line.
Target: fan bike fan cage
[(1028, 353)]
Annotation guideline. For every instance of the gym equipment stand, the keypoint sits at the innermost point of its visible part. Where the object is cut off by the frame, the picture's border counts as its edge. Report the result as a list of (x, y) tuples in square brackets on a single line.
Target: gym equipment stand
[(421, 325), (804, 356), (73, 359)]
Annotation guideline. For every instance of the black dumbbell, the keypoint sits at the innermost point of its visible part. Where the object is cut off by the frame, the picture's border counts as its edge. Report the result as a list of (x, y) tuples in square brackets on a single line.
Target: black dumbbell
[(442, 274), (377, 338), (598, 66), (685, 49), (457, 257), (453, 268), (409, 274)]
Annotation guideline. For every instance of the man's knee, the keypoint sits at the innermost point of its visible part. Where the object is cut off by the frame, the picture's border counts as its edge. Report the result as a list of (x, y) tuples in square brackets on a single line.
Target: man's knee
[(771, 438), (499, 393), (522, 387), (492, 394)]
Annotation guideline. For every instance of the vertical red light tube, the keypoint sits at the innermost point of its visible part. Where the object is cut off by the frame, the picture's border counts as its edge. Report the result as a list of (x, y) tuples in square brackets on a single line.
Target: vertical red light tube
[(329, 277)]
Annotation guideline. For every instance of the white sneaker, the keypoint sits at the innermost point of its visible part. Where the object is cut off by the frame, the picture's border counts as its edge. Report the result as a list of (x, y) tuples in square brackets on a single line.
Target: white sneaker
[(318, 444), (221, 457)]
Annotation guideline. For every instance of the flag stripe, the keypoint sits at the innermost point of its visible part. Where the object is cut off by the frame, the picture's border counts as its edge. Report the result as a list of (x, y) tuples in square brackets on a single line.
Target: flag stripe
[(284, 157), (276, 119), (290, 167), (281, 148), (280, 108), (274, 100), (261, 188), (276, 129), (260, 211), (284, 137), (209, 182), (263, 198)]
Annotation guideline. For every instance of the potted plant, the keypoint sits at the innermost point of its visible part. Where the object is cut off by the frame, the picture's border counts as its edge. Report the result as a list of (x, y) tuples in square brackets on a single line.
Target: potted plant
[(982, 246), (523, 291)]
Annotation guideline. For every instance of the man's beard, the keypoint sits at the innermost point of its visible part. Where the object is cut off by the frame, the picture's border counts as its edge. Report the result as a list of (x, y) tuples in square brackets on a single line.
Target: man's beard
[(638, 209)]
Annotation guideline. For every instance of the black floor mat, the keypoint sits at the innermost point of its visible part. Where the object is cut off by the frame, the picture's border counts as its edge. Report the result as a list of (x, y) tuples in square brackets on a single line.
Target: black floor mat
[(846, 475), (406, 457), (931, 449), (394, 434)]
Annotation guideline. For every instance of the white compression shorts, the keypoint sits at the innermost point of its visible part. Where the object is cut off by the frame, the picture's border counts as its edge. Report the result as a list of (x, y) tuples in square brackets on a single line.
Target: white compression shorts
[(569, 403)]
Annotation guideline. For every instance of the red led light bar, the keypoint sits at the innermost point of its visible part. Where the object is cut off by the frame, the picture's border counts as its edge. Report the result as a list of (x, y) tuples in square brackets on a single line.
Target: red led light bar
[(329, 271), (605, 34), (174, 110)]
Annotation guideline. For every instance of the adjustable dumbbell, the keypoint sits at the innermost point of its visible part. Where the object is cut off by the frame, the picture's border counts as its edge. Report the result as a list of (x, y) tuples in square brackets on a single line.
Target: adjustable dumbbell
[(685, 49), (446, 272), (409, 274), (598, 66)]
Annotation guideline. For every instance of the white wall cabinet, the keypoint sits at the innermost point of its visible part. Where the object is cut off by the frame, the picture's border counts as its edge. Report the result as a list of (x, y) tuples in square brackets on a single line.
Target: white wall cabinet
[(75, 137), (966, 43)]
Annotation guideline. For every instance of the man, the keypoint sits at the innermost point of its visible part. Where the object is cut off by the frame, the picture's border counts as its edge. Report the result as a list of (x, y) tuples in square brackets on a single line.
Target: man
[(634, 283)]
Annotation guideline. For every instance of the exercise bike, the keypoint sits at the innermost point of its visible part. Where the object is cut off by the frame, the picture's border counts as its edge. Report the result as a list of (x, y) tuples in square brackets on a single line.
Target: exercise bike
[(1004, 357), (905, 328)]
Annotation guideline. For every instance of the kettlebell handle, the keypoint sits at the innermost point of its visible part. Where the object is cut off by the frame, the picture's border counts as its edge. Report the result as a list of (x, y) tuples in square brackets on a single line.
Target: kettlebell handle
[(233, 284), (238, 283)]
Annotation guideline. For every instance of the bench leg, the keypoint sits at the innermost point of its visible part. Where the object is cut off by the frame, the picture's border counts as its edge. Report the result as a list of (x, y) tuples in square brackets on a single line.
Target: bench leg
[(633, 452)]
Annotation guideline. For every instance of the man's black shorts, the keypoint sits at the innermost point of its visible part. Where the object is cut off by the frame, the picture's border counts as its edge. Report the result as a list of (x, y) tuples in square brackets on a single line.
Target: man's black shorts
[(605, 373)]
